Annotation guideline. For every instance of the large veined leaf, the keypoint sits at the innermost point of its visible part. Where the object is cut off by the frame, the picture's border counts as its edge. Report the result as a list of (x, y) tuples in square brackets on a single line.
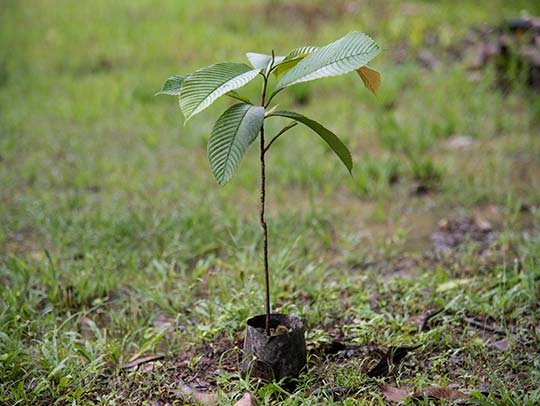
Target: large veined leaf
[(345, 55), (206, 85), (173, 85), (328, 136), (292, 59), (232, 134), (262, 61)]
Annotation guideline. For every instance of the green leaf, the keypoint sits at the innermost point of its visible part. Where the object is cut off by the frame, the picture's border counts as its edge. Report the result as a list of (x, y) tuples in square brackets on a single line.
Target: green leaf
[(345, 55), (173, 85), (328, 136), (232, 134), (262, 61), (302, 51), (238, 96), (206, 85), (292, 59)]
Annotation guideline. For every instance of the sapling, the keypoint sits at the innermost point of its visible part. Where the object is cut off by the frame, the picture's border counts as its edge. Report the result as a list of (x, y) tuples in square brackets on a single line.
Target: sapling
[(238, 127)]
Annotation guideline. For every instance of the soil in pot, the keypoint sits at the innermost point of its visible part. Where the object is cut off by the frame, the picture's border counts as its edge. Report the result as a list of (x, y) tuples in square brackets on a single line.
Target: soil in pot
[(280, 355)]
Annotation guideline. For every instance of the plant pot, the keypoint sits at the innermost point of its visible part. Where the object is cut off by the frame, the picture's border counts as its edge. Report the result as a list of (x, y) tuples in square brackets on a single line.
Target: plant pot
[(277, 356)]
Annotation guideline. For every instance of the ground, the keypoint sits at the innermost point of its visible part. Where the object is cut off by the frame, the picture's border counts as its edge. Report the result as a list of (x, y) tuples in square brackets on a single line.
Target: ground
[(116, 244)]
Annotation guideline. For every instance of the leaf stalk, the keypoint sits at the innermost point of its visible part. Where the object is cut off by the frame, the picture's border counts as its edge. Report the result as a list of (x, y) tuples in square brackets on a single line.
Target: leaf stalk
[(282, 131)]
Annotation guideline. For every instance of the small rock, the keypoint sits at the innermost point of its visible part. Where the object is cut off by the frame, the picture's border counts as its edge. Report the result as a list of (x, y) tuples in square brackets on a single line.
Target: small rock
[(247, 400), (482, 223), (460, 142), (501, 344)]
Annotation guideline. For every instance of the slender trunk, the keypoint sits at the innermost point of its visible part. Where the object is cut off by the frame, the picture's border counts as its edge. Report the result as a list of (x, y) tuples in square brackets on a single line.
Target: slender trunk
[(265, 236), (262, 218)]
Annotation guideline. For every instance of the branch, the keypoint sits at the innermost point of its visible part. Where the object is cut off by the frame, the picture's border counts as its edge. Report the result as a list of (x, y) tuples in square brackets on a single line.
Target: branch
[(483, 326), (283, 130)]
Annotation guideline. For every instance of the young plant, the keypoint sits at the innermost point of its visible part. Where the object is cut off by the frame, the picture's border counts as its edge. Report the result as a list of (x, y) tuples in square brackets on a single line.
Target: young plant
[(237, 128)]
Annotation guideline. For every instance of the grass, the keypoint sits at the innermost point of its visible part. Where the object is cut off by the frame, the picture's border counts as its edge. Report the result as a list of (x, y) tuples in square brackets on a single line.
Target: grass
[(116, 243)]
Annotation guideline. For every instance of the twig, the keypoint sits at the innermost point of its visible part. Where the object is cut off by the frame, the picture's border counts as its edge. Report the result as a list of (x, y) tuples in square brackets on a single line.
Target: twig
[(283, 130), (393, 356), (142, 360), (428, 317), (482, 326)]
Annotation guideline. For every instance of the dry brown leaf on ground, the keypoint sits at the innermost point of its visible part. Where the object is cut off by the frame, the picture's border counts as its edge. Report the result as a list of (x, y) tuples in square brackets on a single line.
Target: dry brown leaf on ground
[(142, 360), (439, 393), (203, 398), (395, 394)]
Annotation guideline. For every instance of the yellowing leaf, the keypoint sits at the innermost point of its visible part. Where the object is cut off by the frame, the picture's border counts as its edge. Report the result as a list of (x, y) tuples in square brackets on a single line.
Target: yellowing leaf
[(292, 59), (371, 78), (286, 66)]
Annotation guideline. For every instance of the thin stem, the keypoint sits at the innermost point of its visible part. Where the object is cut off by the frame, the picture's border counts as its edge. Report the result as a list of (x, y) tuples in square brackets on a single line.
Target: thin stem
[(272, 96), (283, 131), (262, 218)]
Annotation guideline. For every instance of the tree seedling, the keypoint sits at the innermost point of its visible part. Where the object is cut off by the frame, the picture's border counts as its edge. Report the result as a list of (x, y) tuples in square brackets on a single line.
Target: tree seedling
[(238, 127)]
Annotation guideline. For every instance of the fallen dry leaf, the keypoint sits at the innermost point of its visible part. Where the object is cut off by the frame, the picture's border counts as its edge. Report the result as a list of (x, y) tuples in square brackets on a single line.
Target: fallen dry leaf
[(439, 393), (142, 360), (247, 400), (395, 394), (204, 398)]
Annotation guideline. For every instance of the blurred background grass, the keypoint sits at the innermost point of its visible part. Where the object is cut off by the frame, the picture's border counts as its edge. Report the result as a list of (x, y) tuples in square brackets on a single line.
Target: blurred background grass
[(84, 141)]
